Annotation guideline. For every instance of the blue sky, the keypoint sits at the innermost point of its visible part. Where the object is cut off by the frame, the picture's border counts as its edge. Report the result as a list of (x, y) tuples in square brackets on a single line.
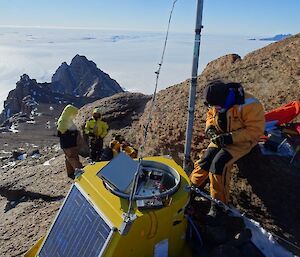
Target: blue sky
[(255, 17)]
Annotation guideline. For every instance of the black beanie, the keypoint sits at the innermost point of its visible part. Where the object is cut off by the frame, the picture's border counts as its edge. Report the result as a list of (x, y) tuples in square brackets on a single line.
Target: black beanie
[(216, 92)]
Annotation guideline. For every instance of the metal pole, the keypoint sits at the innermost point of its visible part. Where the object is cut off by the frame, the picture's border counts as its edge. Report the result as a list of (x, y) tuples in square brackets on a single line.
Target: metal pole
[(192, 95)]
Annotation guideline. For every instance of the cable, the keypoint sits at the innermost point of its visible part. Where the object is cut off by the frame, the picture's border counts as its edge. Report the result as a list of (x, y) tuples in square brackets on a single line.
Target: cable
[(196, 230), (157, 80), (136, 175), (285, 240)]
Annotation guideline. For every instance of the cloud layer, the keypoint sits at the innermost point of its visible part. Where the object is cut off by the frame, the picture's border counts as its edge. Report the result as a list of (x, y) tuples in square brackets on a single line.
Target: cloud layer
[(129, 57)]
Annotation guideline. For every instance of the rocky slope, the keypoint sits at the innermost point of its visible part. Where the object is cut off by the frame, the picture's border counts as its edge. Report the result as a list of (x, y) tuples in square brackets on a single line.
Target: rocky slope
[(272, 74), (266, 188)]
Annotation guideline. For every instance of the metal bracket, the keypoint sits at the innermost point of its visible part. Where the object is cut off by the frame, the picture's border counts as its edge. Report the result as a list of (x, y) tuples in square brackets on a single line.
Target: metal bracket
[(78, 172), (127, 223)]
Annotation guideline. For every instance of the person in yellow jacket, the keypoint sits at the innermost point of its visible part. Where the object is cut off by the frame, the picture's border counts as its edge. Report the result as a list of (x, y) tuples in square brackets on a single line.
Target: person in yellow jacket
[(235, 121), (96, 129), (67, 132)]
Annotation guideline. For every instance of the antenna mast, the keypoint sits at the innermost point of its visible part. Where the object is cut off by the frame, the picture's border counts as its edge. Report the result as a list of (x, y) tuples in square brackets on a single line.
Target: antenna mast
[(192, 95)]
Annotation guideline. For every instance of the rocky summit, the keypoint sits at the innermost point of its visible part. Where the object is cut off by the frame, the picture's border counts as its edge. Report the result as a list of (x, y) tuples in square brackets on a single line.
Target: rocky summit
[(83, 78), (265, 188)]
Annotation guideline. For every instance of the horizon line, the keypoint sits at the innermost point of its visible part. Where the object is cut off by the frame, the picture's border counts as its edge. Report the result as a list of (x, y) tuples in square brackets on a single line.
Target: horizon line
[(133, 30)]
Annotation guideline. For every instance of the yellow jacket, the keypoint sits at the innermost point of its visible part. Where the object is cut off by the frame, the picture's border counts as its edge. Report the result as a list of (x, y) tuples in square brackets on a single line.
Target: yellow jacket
[(65, 121), (97, 128), (116, 147), (246, 122)]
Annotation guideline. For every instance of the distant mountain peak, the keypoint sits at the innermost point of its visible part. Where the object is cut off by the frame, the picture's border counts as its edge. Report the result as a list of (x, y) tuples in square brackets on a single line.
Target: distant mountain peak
[(276, 37), (83, 78), (79, 58), (79, 83), (24, 79)]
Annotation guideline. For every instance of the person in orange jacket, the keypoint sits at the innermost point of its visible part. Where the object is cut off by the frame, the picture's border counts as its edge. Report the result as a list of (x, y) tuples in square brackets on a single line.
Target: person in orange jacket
[(235, 121)]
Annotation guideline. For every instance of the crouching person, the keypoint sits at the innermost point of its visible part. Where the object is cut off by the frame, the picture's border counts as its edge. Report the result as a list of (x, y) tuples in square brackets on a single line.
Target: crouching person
[(118, 144), (67, 132), (235, 121)]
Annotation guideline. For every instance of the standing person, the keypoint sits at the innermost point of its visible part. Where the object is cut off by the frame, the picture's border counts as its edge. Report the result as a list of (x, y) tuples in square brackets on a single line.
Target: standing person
[(96, 129), (235, 121), (67, 132)]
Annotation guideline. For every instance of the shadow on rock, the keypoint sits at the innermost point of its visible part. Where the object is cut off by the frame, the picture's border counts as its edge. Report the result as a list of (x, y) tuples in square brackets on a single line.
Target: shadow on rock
[(14, 197)]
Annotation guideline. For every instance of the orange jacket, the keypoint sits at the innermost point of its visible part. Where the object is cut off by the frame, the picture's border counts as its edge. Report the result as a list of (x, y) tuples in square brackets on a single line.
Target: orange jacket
[(246, 123)]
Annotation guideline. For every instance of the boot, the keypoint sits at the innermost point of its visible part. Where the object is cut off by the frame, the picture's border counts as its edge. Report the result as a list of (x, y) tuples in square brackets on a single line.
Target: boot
[(213, 211), (214, 216)]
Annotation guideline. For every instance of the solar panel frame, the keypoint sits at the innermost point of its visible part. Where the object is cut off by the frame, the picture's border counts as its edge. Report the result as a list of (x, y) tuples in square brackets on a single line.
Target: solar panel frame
[(98, 211)]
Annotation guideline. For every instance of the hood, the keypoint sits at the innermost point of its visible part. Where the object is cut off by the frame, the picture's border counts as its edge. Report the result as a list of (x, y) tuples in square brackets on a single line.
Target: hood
[(65, 121), (223, 94)]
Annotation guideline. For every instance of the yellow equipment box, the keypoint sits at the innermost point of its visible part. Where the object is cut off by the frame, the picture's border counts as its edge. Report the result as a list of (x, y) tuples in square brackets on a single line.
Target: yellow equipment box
[(124, 208)]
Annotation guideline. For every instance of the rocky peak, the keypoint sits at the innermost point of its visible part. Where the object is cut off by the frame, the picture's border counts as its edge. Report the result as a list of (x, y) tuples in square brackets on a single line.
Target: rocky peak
[(63, 80), (83, 78), (24, 87), (25, 80), (81, 60), (224, 62)]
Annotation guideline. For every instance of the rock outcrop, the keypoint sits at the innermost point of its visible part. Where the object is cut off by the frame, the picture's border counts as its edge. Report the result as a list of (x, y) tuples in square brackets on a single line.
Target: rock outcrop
[(79, 83), (83, 78), (28, 94)]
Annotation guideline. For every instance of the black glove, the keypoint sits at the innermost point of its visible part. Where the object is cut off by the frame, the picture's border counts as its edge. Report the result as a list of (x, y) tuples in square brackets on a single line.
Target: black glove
[(211, 132), (222, 140)]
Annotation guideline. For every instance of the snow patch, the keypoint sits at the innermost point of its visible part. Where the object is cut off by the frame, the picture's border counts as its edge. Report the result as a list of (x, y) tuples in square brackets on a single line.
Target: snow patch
[(31, 122), (10, 164), (47, 163), (56, 148), (13, 129), (36, 155)]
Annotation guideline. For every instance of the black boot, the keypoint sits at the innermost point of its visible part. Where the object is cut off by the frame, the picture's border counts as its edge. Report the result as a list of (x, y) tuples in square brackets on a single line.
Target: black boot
[(213, 210), (214, 229), (214, 216)]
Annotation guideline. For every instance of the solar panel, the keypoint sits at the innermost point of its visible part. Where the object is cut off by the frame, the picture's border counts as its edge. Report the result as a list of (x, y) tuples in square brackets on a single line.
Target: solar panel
[(119, 172), (78, 230)]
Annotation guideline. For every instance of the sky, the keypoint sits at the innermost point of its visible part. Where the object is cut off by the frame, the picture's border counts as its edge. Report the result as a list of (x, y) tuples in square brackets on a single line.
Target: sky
[(234, 17)]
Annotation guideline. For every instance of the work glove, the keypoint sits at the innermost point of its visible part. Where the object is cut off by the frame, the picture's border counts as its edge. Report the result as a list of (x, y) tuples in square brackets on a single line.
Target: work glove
[(222, 140), (211, 132)]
